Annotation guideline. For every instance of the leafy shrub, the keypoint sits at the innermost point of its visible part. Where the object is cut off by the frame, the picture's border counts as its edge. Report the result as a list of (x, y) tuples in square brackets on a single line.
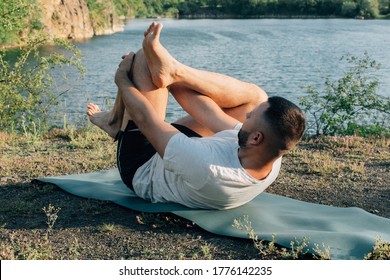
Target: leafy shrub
[(27, 87), (349, 105), (99, 13), (16, 18)]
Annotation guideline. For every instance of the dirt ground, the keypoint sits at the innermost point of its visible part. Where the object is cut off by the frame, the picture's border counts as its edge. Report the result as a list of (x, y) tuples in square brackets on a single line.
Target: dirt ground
[(343, 172)]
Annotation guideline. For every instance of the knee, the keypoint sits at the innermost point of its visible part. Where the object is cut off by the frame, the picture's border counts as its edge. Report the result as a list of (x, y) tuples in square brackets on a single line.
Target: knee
[(259, 96)]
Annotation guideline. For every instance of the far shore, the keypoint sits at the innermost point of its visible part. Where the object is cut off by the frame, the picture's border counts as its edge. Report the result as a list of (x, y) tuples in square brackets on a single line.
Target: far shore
[(22, 42)]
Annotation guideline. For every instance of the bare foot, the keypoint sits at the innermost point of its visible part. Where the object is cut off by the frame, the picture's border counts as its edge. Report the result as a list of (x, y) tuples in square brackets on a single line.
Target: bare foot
[(103, 120), (162, 66)]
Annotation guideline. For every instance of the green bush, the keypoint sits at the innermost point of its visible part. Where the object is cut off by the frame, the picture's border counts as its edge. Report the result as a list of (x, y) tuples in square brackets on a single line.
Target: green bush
[(349, 9), (27, 87), (99, 13), (18, 17), (349, 105)]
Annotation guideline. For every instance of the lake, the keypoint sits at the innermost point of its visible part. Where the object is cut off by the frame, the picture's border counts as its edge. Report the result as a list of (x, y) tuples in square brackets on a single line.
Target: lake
[(280, 55)]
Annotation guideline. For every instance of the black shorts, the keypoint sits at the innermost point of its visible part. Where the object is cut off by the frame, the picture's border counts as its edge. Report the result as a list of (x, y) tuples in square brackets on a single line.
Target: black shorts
[(134, 150)]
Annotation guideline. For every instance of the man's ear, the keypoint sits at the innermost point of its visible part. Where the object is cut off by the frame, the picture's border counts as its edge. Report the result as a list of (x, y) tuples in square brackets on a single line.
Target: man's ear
[(256, 138)]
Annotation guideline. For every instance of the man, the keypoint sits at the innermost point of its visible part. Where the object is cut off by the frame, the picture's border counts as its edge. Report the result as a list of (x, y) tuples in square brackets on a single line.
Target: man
[(222, 155)]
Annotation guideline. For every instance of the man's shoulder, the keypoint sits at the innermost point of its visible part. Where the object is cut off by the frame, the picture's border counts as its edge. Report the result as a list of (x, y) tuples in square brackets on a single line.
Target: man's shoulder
[(234, 128), (229, 132)]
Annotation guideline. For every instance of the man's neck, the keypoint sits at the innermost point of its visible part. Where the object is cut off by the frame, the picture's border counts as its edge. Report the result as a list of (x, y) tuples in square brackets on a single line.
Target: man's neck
[(257, 167)]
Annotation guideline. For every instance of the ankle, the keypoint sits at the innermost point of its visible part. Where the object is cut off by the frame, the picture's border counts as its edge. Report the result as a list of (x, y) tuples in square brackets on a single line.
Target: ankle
[(179, 73)]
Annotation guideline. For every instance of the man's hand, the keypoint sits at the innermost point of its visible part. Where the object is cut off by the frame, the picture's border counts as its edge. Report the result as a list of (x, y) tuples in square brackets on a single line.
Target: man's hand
[(140, 109), (123, 73)]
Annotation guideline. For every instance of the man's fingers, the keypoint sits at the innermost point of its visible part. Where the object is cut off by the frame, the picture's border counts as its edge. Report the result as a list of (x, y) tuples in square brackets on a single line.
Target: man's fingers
[(126, 62), (130, 74)]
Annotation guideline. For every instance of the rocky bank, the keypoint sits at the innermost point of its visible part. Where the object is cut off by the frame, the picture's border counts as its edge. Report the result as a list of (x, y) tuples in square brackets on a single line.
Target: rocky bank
[(72, 19)]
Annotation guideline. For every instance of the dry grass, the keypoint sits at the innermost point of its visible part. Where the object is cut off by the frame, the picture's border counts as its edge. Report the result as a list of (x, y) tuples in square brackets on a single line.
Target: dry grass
[(339, 171)]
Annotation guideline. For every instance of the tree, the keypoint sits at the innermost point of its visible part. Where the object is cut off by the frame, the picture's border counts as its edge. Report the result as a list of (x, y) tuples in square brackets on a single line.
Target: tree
[(349, 9), (384, 6), (369, 8)]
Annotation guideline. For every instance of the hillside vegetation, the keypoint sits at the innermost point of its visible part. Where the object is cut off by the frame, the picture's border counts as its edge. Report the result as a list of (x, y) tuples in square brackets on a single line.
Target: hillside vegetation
[(20, 18)]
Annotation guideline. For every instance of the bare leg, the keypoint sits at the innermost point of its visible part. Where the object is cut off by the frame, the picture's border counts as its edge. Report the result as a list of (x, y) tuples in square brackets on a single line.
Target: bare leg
[(143, 81), (116, 119), (226, 91), (109, 121), (198, 119)]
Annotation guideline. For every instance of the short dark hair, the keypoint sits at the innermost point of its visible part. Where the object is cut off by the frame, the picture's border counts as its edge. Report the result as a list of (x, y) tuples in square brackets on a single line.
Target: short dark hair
[(286, 120)]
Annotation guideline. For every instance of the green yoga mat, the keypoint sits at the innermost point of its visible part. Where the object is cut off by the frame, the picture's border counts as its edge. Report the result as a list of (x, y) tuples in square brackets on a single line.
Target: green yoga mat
[(350, 233)]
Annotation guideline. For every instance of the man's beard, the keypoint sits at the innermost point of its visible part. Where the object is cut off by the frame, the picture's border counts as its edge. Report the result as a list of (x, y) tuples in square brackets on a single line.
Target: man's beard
[(243, 138)]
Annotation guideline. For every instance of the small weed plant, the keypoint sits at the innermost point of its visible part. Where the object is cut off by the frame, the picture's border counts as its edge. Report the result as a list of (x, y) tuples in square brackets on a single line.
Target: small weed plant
[(51, 215), (107, 228), (381, 251), (270, 251), (349, 105)]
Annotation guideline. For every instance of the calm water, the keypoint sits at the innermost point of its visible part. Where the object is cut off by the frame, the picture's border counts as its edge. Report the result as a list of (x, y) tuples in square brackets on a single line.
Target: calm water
[(278, 55)]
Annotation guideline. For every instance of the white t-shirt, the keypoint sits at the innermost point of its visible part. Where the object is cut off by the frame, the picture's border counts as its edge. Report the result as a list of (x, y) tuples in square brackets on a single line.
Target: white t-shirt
[(200, 173)]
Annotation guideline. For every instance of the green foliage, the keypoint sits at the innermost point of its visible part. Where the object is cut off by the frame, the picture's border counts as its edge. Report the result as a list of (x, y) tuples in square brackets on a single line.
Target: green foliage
[(99, 13), (250, 8), (369, 8), (146, 8), (384, 7), (349, 8), (16, 18), (127, 8), (27, 87), (155, 8), (349, 105)]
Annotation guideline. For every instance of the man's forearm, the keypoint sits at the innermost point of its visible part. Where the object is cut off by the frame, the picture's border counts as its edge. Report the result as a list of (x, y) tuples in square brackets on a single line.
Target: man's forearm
[(137, 106), (141, 110)]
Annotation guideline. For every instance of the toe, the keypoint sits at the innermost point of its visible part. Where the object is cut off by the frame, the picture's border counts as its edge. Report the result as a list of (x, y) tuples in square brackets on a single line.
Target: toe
[(92, 109)]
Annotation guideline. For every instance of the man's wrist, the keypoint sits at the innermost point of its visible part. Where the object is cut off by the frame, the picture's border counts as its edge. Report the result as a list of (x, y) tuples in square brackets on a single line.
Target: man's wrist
[(121, 77)]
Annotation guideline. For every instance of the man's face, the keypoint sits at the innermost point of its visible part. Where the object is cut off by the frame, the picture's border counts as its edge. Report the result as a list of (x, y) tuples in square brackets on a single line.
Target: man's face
[(254, 118), (252, 124), (243, 137)]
